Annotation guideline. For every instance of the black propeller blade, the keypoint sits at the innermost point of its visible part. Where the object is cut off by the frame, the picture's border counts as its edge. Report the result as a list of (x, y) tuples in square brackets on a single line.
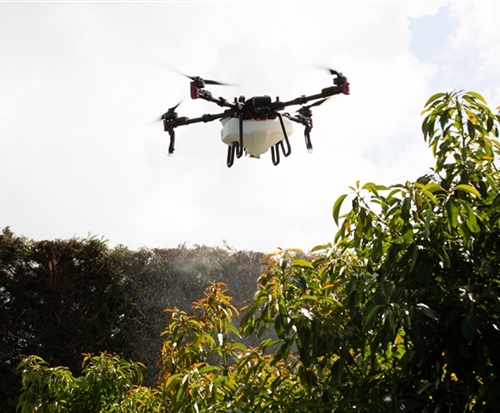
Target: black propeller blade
[(205, 81), (170, 113), (340, 79), (331, 71), (334, 72), (172, 109), (195, 78)]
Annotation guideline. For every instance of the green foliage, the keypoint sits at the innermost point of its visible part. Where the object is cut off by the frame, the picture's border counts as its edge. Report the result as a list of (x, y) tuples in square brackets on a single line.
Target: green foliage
[(107, 382), (204, 368), (431, 254), (64, 298), (174, 278), (400, 313), (59, 299), (60, 295)]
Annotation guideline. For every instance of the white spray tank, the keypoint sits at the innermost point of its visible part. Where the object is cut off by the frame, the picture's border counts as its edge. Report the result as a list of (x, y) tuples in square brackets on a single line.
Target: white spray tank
[(258, 135)]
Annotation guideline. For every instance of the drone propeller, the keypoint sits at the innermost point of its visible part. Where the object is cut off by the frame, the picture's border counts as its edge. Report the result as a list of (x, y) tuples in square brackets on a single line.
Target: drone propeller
[(334, 72), (340, 80), (331, 71), (172, 109), (170, 113), (206, 81), (194, 78)]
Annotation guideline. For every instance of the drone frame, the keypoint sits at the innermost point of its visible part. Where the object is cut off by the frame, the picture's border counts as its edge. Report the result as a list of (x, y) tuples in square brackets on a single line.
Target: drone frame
[(256, 108)]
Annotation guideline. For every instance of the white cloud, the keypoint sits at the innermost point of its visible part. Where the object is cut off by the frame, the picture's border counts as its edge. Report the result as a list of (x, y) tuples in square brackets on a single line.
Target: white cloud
[(475, 44)]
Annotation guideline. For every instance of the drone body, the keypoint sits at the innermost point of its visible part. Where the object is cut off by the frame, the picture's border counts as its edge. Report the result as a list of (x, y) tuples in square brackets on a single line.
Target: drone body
[(253, 126)]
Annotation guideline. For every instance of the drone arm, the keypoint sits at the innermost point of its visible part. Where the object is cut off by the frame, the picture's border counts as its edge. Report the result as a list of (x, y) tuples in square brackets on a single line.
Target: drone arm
[(327, 92), (206, 95), (208, 117), (170, 124), (340, 85)]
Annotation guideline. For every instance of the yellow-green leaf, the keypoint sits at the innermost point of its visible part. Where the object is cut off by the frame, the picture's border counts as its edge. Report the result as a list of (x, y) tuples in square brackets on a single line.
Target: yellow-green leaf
[(301, 263), (477, 96), (468, 188)]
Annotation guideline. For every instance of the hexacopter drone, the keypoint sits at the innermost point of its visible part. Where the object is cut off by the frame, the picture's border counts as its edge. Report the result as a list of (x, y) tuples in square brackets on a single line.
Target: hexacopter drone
[(254, 125)]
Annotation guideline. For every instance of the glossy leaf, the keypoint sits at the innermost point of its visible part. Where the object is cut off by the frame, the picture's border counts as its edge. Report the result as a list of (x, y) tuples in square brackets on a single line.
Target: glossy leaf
[(468, 188), (434, 98), (336, 207)]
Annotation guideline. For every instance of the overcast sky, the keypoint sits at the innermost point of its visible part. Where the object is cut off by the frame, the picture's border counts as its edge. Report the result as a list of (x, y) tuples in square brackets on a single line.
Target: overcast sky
[(81, 85)]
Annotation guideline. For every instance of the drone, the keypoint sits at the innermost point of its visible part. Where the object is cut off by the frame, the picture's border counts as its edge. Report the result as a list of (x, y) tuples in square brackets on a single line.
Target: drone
[(253, 126)]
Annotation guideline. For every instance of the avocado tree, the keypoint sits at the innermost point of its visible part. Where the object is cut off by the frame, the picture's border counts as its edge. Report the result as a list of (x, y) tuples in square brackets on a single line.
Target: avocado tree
[(402, 311)]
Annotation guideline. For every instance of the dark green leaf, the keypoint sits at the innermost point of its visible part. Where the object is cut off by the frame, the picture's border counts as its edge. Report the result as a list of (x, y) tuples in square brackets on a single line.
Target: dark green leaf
[(468, 326), (429, 312), (434, 98), (337, 371), (336, 207)]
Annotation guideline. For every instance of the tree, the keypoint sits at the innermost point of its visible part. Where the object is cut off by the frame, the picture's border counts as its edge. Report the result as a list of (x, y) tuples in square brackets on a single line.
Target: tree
[(105, 380), (176, 277), (59, 299), (204, 368), (66, 297), (400, 313)]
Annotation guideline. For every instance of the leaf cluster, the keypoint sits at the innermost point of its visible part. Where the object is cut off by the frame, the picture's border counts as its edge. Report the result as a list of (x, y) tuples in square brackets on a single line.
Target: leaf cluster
[(106, 380)]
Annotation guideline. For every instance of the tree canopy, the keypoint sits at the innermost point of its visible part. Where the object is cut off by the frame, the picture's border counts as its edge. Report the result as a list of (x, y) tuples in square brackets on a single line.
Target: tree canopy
[(64, 298), (399, 313), (59, 299)]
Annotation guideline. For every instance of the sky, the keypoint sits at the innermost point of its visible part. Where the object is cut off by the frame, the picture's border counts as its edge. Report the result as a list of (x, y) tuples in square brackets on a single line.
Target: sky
[(83, 84)]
